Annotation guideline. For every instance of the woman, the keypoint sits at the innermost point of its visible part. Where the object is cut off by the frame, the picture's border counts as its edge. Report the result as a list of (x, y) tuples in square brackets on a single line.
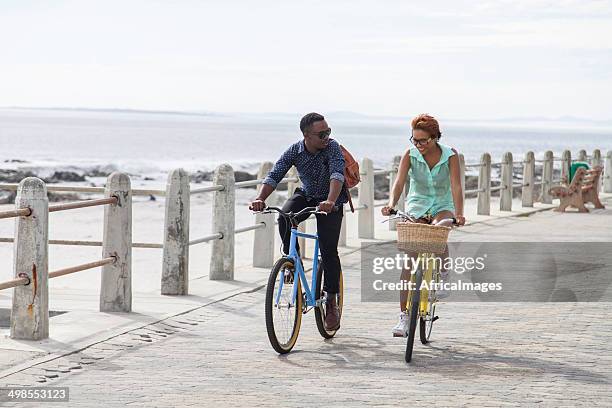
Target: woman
[(435, 191)]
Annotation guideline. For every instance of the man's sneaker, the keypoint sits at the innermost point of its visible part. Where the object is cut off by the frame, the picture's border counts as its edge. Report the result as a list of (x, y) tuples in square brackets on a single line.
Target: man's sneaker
[(332, 314), (442, 293), (401, 328)]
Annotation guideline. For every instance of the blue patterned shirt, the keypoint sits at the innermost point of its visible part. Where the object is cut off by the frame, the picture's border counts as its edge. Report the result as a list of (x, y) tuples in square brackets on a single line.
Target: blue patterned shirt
[(315, 170)]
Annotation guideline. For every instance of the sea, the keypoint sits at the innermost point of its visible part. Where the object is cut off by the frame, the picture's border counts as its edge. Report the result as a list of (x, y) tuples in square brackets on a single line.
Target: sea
[(148, 144)]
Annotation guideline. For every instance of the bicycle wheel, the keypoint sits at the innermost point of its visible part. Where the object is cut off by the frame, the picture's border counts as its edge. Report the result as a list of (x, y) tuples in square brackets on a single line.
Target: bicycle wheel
[(427, 321), (283, 319), (413, 306), (321, 310)]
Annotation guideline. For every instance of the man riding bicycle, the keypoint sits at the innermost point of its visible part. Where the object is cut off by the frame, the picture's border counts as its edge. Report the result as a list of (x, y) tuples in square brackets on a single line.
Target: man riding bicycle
[(320, 165)]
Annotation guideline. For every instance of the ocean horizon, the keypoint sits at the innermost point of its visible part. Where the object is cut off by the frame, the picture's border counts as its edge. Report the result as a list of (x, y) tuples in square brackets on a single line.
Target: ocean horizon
[(150, 143)]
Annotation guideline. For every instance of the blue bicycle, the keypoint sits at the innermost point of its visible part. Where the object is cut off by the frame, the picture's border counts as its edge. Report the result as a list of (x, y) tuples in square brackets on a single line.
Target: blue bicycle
[(288, 295)]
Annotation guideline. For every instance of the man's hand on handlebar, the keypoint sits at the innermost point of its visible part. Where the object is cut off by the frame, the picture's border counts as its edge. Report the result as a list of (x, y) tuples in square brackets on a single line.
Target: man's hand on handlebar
[(257, 205), (326, 206)]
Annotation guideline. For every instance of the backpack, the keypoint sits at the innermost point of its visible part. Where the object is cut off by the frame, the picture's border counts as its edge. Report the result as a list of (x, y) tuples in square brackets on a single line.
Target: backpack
[(351, 174)]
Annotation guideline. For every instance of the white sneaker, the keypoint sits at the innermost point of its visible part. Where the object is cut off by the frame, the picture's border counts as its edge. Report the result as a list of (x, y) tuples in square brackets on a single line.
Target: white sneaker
[(442, 292), (401, 328)]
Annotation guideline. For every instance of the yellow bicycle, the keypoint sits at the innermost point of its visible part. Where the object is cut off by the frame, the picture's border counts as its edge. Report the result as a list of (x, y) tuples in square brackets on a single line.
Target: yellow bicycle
[(425, 242)]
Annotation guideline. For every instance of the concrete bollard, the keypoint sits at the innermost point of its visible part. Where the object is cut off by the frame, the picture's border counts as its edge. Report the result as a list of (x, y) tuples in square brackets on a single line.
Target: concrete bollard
[(401, 204), (528, 180), (547, 177), (505, 194), (566, 163), (175, 266), (582, 155), (462, 174), (607, 176), (292, 185), (116, 289), (484, 185), (366, 197), (263, 171), (223, 221), (263, 240), (594, 162), (30, 311), (342, 238), (596, 158)]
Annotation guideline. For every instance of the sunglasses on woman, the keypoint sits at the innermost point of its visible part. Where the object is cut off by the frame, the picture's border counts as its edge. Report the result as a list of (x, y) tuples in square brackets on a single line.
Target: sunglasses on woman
[(420, 142)]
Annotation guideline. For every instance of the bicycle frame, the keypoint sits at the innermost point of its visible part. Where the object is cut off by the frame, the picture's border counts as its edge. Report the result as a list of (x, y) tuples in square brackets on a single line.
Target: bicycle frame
[(428, 261), (299, 269)]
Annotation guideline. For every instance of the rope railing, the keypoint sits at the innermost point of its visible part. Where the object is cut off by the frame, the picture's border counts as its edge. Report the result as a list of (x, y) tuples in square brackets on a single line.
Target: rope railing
[(69, 242), (82, 267), (469, 165), (382, 172), (250, 228), (22, 212), (85, 189), (13, 283), (206, 239), (83, 204)]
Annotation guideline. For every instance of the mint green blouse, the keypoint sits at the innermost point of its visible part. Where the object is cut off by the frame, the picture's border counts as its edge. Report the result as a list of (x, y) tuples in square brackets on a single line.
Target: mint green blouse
[(430, 190)]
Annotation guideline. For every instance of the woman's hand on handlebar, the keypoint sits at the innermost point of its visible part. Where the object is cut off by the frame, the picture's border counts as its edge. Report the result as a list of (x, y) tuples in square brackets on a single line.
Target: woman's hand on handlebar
[(460, 220), (387, 211)]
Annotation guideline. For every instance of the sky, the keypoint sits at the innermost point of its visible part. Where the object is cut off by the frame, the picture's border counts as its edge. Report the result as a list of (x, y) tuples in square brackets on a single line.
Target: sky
[(455, 59)]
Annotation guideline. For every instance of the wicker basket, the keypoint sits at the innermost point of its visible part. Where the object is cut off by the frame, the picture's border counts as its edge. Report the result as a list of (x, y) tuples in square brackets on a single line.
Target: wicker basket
[(413, 237)]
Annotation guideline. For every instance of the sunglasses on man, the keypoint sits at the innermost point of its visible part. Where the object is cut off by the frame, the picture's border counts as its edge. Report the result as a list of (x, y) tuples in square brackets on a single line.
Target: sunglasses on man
[(324, 134)]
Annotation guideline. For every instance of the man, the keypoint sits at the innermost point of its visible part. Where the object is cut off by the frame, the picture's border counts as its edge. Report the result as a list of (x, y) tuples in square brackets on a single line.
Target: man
[(320, 165)]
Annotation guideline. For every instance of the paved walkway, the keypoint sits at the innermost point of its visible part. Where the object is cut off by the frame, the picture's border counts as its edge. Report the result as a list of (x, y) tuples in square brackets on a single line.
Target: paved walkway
[(482, 354)]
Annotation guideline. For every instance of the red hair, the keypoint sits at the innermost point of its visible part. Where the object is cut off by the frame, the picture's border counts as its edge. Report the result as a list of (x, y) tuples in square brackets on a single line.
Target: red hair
[(428, 124)]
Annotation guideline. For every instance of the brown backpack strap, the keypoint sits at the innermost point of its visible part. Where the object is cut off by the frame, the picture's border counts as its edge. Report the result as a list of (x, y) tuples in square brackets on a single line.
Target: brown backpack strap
[(350, 199)]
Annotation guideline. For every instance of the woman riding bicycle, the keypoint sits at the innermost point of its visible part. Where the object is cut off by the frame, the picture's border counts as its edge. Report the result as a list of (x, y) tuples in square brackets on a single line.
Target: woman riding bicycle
[(435, 192)]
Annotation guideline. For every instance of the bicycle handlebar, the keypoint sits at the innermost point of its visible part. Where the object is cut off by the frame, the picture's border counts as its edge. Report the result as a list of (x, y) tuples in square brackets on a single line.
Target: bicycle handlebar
[(410, 218), (309, 210)]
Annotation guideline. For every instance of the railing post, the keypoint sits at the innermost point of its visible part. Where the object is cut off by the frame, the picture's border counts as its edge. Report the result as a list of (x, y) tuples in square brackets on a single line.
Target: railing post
[(607, 176), (484, 185), (505, 195), (547, 177), (224, 201), (116, 288), (342, 238), (566, 163), (596, 158), (596, 161), (263, 241), (528, 180), (30, 312), (175, 267), (401, 204), (462, 174), (366, 197), (292, 185), (582, 155), (263, 171)]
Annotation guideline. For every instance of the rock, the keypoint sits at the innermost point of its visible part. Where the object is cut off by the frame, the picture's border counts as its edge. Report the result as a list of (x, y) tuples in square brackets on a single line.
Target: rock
[(381, 186), (14, 176), (243, 176), (56, 197), (201, 176), (15, 161), (149, 179), (65, 176)]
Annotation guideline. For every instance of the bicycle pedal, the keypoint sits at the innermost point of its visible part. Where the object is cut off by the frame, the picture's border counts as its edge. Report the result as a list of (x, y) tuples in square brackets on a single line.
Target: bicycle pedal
[(435, 318)]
